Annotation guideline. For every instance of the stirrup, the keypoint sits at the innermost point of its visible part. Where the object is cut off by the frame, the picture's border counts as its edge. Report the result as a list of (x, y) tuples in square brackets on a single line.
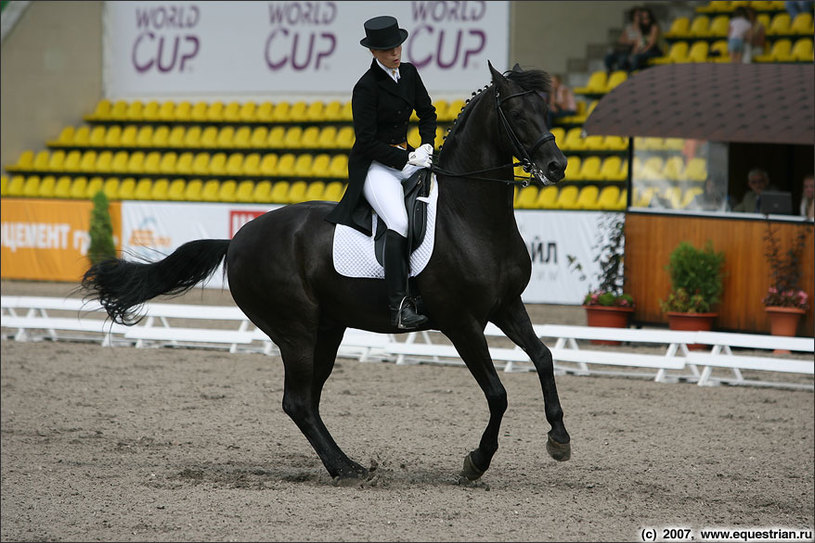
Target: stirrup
[(406, 309)]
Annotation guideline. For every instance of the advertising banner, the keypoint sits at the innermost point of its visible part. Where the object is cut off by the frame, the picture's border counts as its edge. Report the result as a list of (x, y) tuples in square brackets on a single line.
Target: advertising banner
[(216, 48), (48, 240)]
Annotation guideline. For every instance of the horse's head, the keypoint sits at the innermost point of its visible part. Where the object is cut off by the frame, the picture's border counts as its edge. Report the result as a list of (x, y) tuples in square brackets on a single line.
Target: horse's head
[(522, 105)]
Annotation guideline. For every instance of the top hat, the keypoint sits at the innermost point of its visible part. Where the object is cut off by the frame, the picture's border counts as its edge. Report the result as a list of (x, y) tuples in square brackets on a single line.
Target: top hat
[(383, 33)]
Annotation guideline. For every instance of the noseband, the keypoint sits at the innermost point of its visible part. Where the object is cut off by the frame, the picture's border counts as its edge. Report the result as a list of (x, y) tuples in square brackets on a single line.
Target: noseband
[(519, 150)]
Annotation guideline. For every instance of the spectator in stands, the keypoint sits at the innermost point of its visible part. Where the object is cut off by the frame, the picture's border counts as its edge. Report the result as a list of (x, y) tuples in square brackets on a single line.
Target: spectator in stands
[(739, 34), (758, 181), (808, 197), (617, 58), (794, 7), (712, 199), (381, 157), (758, 35), (562, 102), (648, 45)]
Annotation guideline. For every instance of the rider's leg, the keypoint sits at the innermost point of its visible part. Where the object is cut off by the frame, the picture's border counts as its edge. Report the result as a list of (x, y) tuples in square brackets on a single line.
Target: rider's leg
[(383, 190)]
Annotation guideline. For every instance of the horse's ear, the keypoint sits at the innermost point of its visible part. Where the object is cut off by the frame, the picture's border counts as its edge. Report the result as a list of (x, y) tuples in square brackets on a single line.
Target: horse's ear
[(497, 77), (517, 68)]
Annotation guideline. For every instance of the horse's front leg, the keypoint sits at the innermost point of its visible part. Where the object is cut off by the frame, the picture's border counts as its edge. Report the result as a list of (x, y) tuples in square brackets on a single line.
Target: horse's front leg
[(515, 323), (472, 347)]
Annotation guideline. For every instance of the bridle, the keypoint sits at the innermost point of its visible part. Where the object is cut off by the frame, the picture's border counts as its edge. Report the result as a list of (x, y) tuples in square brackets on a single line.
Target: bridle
[(519, 150)]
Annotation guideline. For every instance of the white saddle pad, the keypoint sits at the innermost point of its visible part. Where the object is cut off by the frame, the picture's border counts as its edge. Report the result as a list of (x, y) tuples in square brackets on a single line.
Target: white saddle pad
[(353, 251)]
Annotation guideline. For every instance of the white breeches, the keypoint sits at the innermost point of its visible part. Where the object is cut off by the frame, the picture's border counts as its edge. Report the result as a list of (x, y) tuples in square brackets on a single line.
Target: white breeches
[(383, 190)]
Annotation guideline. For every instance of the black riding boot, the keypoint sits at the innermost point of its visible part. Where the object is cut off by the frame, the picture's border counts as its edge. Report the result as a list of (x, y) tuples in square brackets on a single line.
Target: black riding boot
[(403, 314)]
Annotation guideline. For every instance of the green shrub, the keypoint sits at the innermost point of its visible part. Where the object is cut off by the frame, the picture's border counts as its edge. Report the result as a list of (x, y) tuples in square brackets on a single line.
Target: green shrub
[(101, 246), (696, 279)]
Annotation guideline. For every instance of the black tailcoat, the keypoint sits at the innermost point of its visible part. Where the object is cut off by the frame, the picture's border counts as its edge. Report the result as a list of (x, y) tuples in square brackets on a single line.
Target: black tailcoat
[(381, 110)]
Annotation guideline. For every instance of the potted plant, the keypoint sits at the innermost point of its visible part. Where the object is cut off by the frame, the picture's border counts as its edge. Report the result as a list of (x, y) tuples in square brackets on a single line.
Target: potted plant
[(785, 302), (696, 287), (607, 304)]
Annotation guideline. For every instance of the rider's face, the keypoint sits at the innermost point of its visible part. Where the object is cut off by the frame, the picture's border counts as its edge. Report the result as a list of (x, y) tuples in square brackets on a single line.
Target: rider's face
[(390, 58)]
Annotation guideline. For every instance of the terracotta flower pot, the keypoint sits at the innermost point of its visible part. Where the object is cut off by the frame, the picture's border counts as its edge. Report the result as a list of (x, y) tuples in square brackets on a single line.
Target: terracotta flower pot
[(783, 322), (608, 316), (691, 322)]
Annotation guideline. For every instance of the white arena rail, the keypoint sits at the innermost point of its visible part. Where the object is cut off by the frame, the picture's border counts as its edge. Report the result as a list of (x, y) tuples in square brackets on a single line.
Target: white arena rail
[(32, 318)]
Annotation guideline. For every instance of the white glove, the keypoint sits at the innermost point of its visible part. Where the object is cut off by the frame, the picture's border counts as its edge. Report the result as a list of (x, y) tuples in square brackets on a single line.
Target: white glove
[(428, 149), (420, 157)]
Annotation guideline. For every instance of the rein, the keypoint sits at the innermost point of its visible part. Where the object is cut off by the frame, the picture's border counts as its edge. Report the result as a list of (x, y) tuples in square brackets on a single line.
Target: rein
[(519, 149)]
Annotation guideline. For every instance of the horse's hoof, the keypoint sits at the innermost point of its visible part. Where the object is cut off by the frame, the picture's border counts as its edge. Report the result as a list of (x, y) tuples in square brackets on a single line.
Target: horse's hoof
[(559, 451), (470, 471)]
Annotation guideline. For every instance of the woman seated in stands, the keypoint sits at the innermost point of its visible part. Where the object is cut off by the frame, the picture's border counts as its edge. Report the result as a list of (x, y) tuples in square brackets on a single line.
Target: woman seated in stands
[(648, 45)]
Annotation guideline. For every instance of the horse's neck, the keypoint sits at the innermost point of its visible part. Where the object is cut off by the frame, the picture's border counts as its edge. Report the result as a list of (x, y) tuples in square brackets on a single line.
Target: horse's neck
[(478, 146)]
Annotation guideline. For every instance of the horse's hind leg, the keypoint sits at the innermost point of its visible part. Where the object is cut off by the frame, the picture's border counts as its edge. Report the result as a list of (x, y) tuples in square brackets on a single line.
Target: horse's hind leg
[(308, 362), (472, 346), (515, 323)]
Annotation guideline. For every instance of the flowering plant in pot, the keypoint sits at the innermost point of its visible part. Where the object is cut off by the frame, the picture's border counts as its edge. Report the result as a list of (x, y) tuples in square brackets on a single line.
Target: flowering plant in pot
[(785, 302), (607, 304), (697, 282)]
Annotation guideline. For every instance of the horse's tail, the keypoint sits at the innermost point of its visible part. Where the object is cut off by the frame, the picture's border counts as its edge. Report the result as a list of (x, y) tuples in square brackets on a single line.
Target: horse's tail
[(120, 285)]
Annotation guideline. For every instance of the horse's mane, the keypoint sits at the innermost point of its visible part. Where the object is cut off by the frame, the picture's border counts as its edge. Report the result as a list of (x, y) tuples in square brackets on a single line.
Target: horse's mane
[(534, 80)]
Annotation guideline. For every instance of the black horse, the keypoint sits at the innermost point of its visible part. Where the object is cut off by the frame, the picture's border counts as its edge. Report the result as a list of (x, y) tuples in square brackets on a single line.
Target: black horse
[(281, 274)]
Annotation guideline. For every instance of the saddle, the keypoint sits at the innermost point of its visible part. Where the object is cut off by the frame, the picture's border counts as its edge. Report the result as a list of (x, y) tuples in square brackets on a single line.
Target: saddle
[(417, 189)]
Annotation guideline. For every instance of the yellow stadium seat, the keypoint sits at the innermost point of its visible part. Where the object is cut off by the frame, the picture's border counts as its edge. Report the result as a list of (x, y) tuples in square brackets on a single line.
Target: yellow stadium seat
[(280, 192), (177, 190), (160, 189), (192, 191), (573, 165), (674, 168), (293, 136), (79, 187), (276, 137), (673, 195), (31, 186), (719, 26), (413, 137), (118, 112), (651, 169), (310, 137), (72, 160), (183, 165), (259, 137), (97, 136), (232, 112), (801, 51), (596, 84), (574, 140), (225, 136), (183, 111), (298, 112), (285, 165), (111, 188), (281, 112), (167, 163), (151, 111), (63, 187), (268, 165), (211, 191), (679, 28), (615, 143), (455, 107), (265, 112), (698, 51), (302, 166), (333, 191), (135, 111), (234, 164), (198, 112), (262, 192), (144, 138), (526, 198), (102, 110), (347, 114), (547, 197), (242, 137), (560, 135), (192, 137), (677, 53), (587, 199), (3, 185), (780, 24), (339, 166), (320, 165), (177, 136), (297, 193), (166, 111), (327, 138), (345, 137), (41, 161), (718, 52), (144, 189), (104, 162), (95, 184), (696, 169), (152, 162), (217, 164), (610, 170), (66, 137), (247, 113), (25, 161), (609, 198), (643, 197), (227, 192), (215, 111), (127, 188), (314, 112), (615, 79), (82, 135), (590, 168), (689, 195), (802, 24), (314, 191), (251, 165), (333, 111), (161, 136), (16, 185), (135, 163), (88, 161), (245, 191), (56, 161), (113, 136), (699, 26), (567, 197)]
